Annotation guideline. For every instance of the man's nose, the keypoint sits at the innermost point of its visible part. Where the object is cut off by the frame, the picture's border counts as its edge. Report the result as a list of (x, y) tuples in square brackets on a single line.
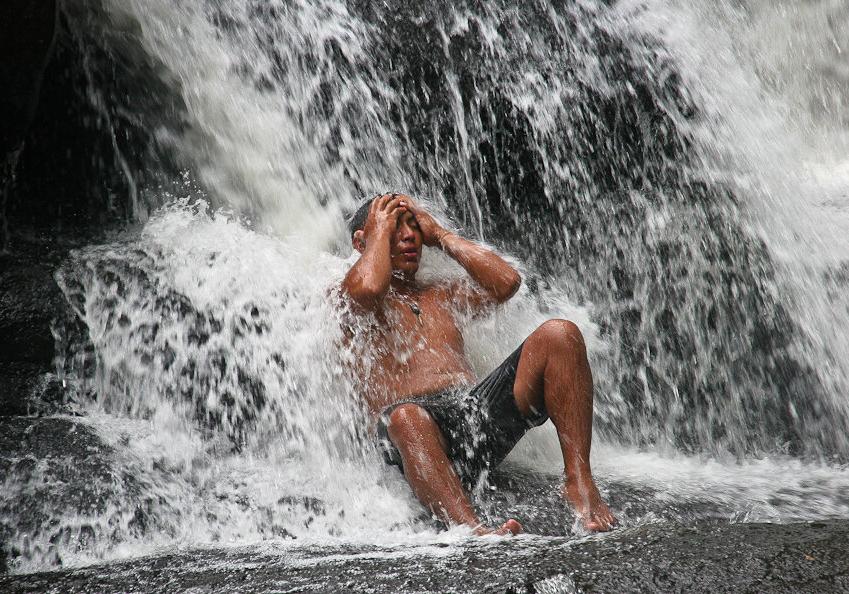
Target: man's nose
[(407, 233)]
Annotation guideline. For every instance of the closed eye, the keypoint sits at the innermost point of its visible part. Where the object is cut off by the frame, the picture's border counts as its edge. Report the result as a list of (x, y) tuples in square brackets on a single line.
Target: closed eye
[(410, 221)]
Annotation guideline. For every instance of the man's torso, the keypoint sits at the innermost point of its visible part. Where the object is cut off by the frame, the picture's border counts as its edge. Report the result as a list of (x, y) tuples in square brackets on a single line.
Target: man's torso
[(414, 348)]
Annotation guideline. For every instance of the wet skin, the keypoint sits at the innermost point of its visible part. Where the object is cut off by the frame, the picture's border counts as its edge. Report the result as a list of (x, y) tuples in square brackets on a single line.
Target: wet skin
[(415, 354)]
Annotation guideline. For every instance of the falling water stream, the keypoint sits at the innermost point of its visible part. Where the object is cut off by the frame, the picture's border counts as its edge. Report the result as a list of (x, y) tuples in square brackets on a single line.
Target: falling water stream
[(670, 175)]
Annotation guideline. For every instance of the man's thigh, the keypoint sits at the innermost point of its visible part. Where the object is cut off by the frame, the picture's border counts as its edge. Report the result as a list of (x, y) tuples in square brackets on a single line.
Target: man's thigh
[(528, 385), (440, 409)]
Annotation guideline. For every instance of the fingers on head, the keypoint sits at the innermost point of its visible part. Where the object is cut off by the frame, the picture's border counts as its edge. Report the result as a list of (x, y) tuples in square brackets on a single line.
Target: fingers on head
[(385, 202), (391, 203), (397, 206)]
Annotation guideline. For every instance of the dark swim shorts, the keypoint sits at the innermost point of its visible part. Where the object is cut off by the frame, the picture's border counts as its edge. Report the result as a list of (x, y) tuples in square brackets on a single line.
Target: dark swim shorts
[(481, 424)]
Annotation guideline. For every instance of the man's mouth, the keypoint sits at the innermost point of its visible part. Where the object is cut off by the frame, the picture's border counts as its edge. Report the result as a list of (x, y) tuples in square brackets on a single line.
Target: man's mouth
[(410, 254)]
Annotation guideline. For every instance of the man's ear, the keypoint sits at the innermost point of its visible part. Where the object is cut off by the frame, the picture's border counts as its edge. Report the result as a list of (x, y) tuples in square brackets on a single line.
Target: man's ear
[(359, 241)]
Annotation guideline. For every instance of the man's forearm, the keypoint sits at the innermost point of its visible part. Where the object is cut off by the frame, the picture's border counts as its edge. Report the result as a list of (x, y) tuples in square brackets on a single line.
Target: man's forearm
[(488, 269)]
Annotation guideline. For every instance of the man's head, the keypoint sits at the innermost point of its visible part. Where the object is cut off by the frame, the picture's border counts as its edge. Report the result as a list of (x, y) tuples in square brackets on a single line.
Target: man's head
[(405, 242)]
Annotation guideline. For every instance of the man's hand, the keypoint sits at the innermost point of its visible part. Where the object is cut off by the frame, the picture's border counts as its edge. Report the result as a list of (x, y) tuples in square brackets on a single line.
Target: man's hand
[(383, 216), (432, 232)]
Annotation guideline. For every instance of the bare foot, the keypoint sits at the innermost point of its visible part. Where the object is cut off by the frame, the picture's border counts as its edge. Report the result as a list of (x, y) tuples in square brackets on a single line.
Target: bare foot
[(588, 504), (509, 528)]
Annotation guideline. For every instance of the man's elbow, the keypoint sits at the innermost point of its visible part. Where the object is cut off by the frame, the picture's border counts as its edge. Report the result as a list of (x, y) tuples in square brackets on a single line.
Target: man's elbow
[(372, 292), (367, 294), (515, 283), (509, 287)]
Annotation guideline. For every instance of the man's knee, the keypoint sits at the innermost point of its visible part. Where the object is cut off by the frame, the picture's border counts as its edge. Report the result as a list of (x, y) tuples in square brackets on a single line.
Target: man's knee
[(407, 421), (562, 334)]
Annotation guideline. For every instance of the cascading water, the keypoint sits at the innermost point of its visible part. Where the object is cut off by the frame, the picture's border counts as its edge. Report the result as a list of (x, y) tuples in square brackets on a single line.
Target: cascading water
[(774, 100), (660, 178)]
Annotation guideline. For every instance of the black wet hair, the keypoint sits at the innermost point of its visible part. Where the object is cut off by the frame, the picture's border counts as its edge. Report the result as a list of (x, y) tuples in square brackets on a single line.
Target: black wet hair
[(358, 219)]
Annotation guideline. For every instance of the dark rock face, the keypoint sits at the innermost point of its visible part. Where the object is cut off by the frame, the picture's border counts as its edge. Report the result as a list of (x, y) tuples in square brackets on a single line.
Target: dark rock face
[(29, 299), (87, 153), (28, 388), (705, 557), (26, 37)]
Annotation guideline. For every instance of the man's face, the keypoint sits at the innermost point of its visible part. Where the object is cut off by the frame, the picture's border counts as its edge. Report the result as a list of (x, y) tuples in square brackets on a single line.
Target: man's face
[(406, 248)]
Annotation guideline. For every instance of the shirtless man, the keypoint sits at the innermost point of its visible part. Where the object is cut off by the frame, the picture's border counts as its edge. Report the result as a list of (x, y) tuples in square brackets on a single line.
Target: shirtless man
[(434, 422)]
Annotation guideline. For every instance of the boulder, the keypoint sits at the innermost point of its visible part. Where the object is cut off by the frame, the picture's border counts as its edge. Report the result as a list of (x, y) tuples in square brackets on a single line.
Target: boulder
[(62, 490), (29, 300)]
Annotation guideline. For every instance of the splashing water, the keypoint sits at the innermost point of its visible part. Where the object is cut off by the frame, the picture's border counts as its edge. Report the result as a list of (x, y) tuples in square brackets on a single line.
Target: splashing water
[(773, 89), (659, 163)]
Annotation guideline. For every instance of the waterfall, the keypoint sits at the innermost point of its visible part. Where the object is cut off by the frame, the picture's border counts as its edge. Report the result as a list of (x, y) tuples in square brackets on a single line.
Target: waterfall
[(670, 175)]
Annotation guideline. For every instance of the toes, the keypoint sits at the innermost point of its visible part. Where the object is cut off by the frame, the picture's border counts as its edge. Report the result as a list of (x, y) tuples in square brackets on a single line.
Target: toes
[(610, 518), (599, 523), (510, 527), (608, 521), (605, 522)]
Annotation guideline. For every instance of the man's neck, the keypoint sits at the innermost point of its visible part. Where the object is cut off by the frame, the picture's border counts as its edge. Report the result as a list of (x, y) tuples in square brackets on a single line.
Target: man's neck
[(402, 282)]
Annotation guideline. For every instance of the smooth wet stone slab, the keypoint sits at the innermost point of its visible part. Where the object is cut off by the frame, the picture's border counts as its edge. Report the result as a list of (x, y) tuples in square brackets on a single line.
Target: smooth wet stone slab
[(703, 557)]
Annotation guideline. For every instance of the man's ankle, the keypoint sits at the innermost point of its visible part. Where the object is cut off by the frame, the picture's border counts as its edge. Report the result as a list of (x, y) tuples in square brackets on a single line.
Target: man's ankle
[(583, 476)]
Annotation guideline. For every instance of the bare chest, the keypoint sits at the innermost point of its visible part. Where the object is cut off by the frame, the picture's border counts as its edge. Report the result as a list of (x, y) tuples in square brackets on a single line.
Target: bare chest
[(411, 326), (414, 347)]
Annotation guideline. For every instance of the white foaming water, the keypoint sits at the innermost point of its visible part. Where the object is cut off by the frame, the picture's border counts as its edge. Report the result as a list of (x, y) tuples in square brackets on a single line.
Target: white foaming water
[(220, 375)]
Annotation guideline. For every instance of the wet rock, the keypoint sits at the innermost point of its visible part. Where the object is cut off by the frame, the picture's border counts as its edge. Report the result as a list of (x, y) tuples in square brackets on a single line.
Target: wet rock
[(84, 161), (30, 302), (27, 389), (703, 557), (29, 299), (60, 487), (27, 31)]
